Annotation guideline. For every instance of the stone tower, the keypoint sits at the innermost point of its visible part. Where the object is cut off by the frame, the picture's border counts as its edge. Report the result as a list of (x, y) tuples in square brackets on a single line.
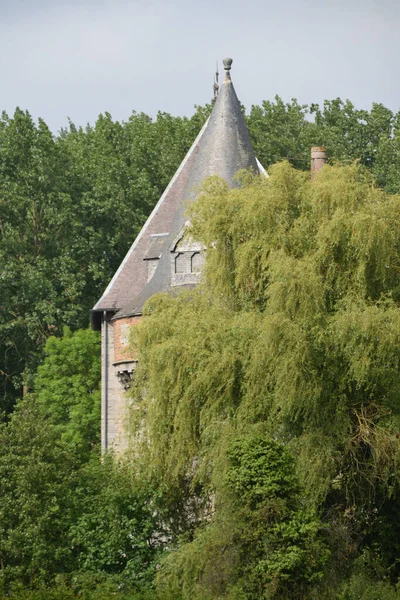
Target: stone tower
[(160, 259)]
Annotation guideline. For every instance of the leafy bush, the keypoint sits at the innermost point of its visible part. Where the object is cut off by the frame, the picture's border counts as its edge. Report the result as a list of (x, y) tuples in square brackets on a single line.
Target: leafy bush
[(261, 543), (67, 387), (61, 517), (362, 588)]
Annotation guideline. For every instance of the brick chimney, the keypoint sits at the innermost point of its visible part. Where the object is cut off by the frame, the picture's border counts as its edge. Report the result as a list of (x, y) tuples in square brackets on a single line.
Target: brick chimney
[(318, 158)]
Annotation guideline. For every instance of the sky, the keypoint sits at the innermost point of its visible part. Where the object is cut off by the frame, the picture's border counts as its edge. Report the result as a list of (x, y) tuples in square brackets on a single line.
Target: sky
[(75, 59)]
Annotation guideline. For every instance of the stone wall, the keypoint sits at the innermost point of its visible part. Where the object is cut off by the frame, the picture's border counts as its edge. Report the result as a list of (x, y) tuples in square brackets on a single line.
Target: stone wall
[(115, 382)]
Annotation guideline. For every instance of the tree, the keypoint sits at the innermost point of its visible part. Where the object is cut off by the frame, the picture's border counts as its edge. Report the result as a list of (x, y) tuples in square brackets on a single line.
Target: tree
[(280, 131), (31, 199), (70, 207), (352, 134), (386, 162), (262, 543), (69, 522), (288, 130), (295, 331), (67, 387)]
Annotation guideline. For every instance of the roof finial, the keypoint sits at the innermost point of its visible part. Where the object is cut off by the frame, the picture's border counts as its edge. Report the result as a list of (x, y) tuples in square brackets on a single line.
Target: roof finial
[(227, 63), (216, 86), (227, 66)]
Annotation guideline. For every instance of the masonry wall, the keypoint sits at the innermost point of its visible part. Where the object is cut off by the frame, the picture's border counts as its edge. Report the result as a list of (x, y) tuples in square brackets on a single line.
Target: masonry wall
[(121, 344), (117, 366)]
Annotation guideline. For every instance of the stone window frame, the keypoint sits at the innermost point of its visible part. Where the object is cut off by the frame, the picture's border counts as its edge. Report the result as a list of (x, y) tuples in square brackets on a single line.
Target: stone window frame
[(180, 268), (190, 248), (199, 254)]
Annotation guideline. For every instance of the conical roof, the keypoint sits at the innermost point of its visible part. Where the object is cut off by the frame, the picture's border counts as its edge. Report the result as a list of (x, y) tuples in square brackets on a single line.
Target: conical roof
[(222, 148), (225, 145)]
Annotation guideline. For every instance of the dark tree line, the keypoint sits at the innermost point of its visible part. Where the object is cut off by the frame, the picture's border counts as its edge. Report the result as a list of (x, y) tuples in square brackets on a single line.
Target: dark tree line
[(70, 206)]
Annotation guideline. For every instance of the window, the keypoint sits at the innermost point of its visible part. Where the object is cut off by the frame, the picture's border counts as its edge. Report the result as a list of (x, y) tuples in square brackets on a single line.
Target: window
[(197, 262), (181, 263)]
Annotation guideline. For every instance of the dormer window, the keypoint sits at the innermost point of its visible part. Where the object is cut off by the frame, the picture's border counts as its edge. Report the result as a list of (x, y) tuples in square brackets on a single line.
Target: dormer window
[(182, 263), (186, 260)]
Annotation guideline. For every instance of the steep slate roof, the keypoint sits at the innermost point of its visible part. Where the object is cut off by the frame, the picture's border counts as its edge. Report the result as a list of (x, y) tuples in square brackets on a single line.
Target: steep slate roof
[(222, 148)]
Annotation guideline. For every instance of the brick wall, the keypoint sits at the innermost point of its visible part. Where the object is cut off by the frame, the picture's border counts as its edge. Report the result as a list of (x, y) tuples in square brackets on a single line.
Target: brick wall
[(115, 416), (122, 327)]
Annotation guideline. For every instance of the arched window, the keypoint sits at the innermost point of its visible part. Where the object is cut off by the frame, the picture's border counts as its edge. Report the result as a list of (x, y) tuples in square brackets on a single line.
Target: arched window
[(180, 264), (197, 262)]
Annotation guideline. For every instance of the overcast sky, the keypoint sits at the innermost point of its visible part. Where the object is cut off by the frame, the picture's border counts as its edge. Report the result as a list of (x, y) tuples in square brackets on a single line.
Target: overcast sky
[(78, 58)]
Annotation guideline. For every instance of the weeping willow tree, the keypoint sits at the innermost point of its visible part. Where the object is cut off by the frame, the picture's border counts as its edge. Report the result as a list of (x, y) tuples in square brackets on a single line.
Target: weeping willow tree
[(293, 337)]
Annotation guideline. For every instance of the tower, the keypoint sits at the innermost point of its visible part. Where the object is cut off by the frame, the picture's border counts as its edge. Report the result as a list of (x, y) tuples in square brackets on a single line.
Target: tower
[(160, 259)]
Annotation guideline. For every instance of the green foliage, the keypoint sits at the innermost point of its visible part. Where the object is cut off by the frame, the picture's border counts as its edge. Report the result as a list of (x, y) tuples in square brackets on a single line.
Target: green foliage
[(361, 587), (260, 544), (70, 207), (37, 483), (260, 470), (114, 532), (282, 130), (295, 332), (289, 349), (64, 520), (187, 388), (67, 386), (90, 588), (300, 278)]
